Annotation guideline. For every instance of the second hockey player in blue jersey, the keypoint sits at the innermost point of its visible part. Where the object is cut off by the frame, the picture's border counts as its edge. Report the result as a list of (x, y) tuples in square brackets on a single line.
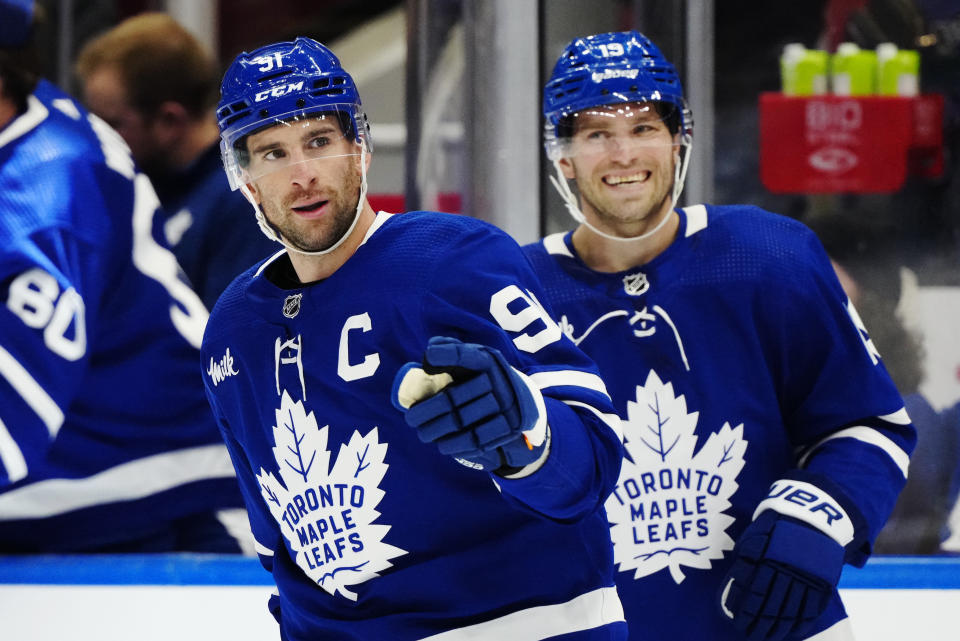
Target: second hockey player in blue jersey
[(106, 440), (423, 453), (765, 442)]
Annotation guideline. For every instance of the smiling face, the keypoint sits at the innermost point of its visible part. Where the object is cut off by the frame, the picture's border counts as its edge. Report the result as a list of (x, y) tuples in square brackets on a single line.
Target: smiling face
[(305, 176), (622, 158)]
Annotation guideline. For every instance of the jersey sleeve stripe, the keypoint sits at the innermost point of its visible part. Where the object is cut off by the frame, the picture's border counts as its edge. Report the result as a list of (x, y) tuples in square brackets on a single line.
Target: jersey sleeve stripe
[(871, 436), (612, 420), (899, 417), (571, 378), (237, 524), (128, 481), (590, 610), (11, 456), (262, 549), (31, 392)]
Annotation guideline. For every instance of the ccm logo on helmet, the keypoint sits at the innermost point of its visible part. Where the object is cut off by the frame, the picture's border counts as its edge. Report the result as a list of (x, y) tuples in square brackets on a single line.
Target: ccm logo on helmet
[(279, 90)]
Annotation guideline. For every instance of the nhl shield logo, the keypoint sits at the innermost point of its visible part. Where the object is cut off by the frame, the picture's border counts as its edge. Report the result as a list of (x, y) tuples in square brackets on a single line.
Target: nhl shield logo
[(636, 284), (291, 306)]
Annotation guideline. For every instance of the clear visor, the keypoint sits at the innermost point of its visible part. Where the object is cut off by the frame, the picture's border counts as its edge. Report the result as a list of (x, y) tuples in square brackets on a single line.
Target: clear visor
[(291, 142), (623, 128)]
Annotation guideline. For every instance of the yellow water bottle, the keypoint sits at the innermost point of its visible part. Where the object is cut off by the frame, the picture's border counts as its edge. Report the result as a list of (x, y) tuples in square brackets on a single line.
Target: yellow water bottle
[(853, 71), (898, 71), (803, 72)]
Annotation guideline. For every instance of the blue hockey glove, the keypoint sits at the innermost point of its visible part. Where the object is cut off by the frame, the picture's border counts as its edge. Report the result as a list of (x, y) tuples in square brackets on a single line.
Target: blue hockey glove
[(783, 575), (468, 400)]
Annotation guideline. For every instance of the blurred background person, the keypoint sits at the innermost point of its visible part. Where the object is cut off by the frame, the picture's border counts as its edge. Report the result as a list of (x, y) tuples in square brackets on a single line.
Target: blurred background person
[(154, 82), (882, 288), (106, 440)]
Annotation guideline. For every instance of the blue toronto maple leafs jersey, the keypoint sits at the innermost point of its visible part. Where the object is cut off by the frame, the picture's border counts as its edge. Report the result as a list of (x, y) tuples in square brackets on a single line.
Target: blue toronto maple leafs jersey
[(105, 433), (733, 357), (368, 532)]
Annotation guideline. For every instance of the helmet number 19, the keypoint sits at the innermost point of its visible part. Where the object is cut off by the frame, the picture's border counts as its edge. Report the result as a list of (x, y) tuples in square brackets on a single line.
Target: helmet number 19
[(611, 49)]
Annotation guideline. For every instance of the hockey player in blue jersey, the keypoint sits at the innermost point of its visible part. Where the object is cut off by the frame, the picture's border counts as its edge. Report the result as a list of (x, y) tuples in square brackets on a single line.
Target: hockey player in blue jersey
[(765, 443), (106, 440), (423, 453)]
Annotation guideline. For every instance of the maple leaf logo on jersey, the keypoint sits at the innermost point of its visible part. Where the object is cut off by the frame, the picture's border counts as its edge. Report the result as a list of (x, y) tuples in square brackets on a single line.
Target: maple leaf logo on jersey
[(327, 514), (667, 508)]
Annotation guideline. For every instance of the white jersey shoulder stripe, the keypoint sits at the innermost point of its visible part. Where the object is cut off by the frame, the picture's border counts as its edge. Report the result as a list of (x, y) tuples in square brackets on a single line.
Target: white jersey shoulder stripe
[(126, 482), (35, 114), (585, 612), (866, 435), (555, 246), (31, 392), (696, 219), (378, 222)]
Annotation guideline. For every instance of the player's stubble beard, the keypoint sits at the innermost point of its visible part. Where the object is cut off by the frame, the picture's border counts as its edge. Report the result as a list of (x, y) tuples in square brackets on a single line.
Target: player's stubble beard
[(322, 233), (621, 216)]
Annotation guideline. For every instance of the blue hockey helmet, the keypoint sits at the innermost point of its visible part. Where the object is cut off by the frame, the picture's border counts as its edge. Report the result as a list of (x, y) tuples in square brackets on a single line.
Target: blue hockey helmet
[(16, 16), (606, 69), (281, 82)]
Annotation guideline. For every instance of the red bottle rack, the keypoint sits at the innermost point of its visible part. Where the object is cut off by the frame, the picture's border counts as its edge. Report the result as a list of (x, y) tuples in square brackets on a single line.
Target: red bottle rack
[(833, 144)]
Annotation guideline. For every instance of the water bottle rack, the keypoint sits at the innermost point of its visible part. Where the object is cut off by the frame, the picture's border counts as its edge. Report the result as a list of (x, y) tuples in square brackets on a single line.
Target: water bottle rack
[(834, 144)]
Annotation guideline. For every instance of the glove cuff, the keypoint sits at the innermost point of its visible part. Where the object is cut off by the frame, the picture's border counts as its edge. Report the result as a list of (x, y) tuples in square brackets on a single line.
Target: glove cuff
[(509, 472), (537, 434), (819, 503)]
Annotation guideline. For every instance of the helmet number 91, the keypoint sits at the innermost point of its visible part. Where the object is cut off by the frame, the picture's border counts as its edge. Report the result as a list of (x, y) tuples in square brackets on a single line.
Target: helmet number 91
[(267, 62)]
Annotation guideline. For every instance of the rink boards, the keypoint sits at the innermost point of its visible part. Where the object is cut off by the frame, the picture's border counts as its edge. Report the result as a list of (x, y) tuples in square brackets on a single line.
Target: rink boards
[(217, 598)]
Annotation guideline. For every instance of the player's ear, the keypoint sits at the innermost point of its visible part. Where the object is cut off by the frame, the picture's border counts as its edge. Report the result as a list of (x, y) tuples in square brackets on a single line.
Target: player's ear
[(252, 193), (567, 168)]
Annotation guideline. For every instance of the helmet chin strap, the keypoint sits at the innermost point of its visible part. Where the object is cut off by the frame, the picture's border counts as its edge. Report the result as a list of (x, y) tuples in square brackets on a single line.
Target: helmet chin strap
[(273, 234), (573, 207)]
